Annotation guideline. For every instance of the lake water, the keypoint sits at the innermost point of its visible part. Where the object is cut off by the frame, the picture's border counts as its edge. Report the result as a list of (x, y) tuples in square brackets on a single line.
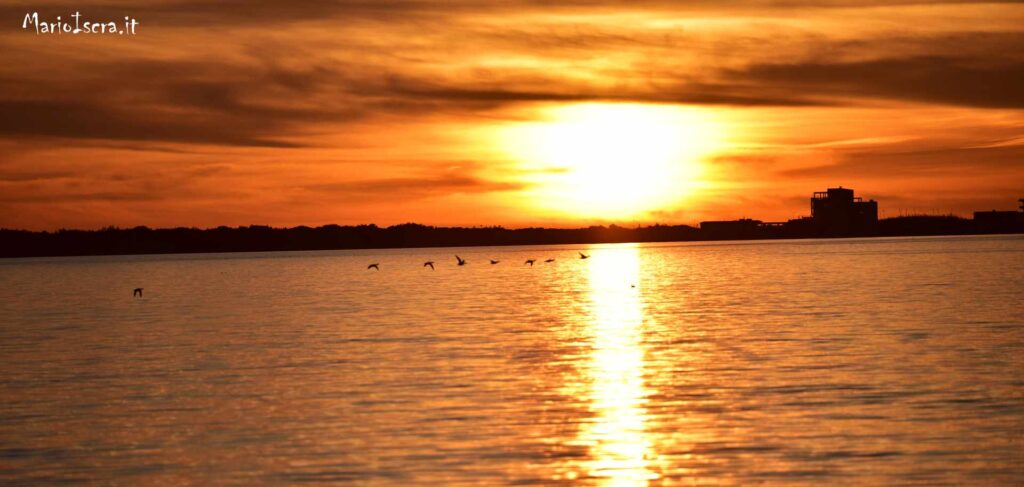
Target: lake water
[(876, 361)]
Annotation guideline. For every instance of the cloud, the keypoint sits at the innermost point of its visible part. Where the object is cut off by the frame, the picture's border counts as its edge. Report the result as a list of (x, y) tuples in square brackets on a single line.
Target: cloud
[(91, 120), (258, 89), (69, 179), (932, 79), (411, 188), (697, 94), (266, 11), (890, 162), (228, 103), (32, 175)]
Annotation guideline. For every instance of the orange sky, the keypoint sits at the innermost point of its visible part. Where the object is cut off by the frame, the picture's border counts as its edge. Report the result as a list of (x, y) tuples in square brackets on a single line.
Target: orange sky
[(514, 113)]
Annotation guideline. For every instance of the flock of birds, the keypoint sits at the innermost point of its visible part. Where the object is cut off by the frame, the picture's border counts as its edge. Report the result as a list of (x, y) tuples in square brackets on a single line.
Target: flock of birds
[(461, 261), (137, 292)]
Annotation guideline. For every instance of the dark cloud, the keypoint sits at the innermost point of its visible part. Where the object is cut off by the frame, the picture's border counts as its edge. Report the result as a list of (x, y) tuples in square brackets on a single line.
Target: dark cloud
[(933, 79), (227, 13), (914, 161), (262, 12), (33, 175), (273, 92), (245, 105), (100, 121), (411, 188), (112, 180), (83, 188), (495, 94), (230, 13), (967, 68), (195, 102)]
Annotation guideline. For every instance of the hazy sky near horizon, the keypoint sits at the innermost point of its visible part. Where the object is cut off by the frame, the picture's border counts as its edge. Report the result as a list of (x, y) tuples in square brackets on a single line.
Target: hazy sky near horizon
[(520, 112)]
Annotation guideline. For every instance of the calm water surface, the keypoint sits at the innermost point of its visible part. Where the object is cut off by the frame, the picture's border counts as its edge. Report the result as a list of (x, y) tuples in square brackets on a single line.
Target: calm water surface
[(884, 361)]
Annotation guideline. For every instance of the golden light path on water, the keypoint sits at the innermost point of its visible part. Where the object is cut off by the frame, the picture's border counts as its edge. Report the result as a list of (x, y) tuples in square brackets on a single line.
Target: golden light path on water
[(620, 446)]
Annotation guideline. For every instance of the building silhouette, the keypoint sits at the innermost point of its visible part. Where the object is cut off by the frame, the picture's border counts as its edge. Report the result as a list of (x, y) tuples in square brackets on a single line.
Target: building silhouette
[(836, 212), (732, 229), (996, 221)]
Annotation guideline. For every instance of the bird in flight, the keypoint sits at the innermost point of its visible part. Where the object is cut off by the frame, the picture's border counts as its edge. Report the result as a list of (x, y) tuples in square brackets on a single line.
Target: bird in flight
[(373, 266), (529, 261), (429, 263), (137, 292), (461, 260), (550, 260), (584, 256), (494, 261)]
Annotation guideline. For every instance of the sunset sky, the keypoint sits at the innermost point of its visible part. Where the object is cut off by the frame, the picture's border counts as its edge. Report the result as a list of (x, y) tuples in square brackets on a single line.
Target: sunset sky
[(516, 113)]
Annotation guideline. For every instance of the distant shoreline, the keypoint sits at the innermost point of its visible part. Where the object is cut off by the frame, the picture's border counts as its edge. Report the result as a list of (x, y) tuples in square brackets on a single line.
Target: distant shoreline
[(146, 241)]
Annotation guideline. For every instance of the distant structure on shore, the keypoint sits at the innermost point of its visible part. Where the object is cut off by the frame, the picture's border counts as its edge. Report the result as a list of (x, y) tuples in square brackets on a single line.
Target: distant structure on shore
[(836, 212), (743, 228), (995, 221)]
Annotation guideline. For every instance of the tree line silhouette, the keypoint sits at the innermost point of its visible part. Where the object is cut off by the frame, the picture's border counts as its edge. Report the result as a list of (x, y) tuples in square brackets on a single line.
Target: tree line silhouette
[(144, 240)]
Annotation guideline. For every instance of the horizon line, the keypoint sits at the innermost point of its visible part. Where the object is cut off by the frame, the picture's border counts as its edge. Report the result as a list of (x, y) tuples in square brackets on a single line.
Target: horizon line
[(496, 226)]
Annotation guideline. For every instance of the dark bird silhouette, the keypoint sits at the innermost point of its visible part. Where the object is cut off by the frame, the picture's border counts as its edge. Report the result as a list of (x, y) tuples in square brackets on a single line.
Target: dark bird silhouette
[(529, 261), (494, 261), (584, 256), (137, 292), (429, 263), (461, 260), (550, 260), (373, 266)]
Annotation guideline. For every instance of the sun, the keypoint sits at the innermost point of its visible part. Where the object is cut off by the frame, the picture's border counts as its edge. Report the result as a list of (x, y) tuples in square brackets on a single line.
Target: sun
[(612, 161)]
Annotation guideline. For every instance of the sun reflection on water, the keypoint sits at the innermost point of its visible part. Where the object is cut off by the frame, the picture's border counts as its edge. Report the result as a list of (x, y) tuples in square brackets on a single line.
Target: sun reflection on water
[(620, 447)]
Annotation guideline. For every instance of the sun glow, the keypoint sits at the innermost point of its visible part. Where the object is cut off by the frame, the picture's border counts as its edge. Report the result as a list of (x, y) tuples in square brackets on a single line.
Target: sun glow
[(614, 161)]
